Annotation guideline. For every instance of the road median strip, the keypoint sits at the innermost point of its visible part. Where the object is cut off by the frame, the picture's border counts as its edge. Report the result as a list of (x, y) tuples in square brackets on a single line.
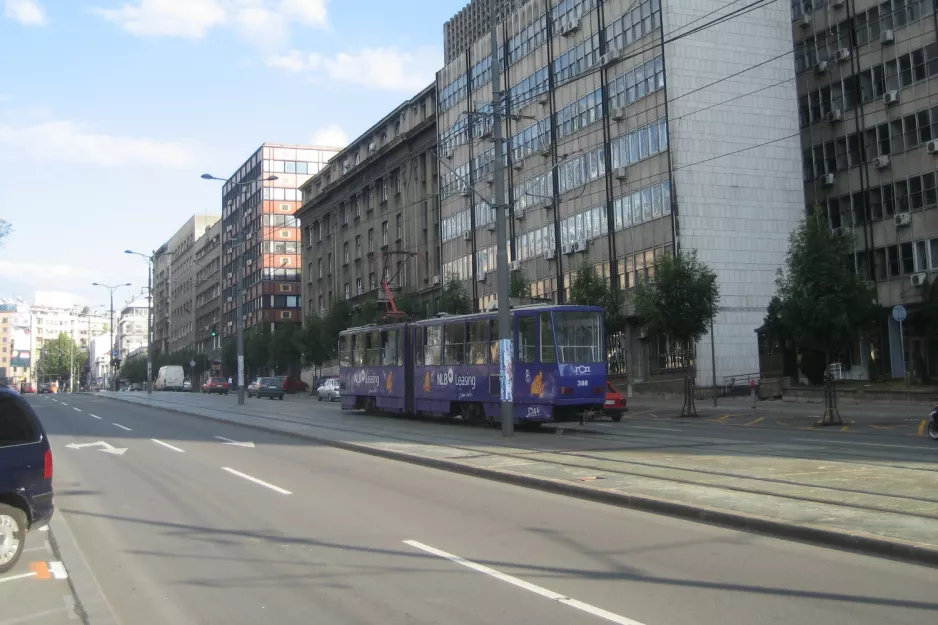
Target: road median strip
[(852, 538)]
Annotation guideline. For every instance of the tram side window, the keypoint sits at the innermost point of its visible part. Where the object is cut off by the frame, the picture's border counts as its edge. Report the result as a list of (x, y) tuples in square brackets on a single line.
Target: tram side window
[(454, 351), (358, 349), (478, 342), (579, 336), (345, 351), (527, 339), (389, 348), (434, 349), (418, 346), (548, 349), (373, 349), (400, 346), (494, 352)]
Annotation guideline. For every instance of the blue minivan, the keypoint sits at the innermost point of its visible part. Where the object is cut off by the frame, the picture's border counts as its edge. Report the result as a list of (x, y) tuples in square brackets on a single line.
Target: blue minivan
[(25, 476)]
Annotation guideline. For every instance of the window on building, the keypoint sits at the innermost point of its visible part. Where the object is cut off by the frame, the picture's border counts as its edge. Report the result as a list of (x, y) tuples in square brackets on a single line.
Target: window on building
[(371, 239), (400, 226), (358, 246), (358, 286), (384, 233), (345, 253), (348, 291)]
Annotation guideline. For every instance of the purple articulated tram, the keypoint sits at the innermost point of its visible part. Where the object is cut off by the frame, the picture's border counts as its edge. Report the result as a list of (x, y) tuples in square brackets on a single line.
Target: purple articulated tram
[(449, 365)]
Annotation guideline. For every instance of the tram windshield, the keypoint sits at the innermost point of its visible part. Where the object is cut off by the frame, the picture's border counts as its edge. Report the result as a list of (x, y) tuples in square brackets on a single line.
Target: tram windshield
[(579, 336)]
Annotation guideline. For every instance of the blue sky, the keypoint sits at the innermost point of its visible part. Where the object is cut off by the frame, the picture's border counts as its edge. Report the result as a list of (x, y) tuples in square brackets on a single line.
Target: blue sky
[(111, 109)]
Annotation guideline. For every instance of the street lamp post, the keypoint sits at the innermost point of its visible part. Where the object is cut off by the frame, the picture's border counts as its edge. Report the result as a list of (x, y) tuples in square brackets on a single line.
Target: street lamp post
[(111, 290), (149, 259), (239, 304)]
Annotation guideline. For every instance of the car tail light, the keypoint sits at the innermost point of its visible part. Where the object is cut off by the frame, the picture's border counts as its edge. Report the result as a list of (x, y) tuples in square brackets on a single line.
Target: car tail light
[(47, 468)]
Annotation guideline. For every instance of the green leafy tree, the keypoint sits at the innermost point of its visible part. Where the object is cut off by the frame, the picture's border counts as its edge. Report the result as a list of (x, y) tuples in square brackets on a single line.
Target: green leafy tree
[(60, 358), (518, 285), (285, 347), (679, 303), (454, 299), (337, 319), (257, 352), (590, 289), (229, 358), (410, 304), (134, 369), (823, 305), (314, 341)]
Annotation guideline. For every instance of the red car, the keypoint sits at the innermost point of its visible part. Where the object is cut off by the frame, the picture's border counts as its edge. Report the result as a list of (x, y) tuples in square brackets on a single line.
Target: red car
[(615, 403), (216, 385), (292, 384)]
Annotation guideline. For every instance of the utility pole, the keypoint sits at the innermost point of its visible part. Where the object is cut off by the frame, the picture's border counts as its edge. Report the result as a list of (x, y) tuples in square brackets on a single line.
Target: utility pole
[(239, 321), (112, 382), (501, 232)]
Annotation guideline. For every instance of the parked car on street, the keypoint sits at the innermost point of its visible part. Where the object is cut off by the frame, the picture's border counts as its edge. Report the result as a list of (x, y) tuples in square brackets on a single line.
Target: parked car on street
[(270, 387), (187, 385), (615, 404), (252, 387), (292, 384), (329, 390), (216, 385), (25, 476), (44, 387)]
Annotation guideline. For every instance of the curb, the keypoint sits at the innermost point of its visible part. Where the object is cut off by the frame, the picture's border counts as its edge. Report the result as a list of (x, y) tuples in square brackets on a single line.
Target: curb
[(860, 542), (92, 607)]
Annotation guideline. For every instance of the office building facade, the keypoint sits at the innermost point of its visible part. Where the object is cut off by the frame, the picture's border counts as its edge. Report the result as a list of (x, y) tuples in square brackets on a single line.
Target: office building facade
[(867, 77), (208, 293), (635, 129), (261, 235), (175, 285), (372, 214), (132, 327)]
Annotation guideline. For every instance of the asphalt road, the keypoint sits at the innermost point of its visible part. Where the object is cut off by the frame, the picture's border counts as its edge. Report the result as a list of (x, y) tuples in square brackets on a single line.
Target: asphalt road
[(187, 527)]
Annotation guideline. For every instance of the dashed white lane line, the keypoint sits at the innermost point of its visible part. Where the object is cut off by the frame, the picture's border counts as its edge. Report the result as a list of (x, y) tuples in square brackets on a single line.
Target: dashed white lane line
[(78, 409), (123, 427), (63, 403), (520, 583), (282, 491), (159, 442), (93, 415), (645, 427)]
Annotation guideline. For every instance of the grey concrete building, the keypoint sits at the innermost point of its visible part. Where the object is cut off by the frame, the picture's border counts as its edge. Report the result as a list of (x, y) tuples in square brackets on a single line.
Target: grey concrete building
[(372, 213), (636, 128), (868, 112), (208, 304), (259, 226), (174, 286), (470, 24)]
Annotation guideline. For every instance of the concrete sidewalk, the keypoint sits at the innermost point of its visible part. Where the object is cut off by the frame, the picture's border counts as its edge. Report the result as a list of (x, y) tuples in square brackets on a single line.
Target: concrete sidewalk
[(881, 500)]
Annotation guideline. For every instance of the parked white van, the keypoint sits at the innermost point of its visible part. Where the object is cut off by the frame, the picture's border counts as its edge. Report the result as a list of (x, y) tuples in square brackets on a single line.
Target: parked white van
[(170, 378)]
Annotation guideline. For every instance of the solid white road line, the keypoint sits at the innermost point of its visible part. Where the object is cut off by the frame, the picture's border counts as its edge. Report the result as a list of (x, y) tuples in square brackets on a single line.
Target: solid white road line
[(123, 427), (78, 409), (159, 442), (520, 583), (12, 577), (282, 491), (825, 442), (93, 415), (645, 427)]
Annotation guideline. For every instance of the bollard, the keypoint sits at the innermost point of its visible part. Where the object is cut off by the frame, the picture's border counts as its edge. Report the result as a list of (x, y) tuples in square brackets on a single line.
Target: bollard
[(752, 392)]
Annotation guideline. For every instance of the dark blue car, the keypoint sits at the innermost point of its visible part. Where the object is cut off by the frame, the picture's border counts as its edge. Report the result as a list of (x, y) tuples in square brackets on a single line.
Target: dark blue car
[(25, 476)]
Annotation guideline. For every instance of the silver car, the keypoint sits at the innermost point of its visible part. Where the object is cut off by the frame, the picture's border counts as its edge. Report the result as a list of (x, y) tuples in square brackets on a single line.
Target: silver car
[(329, 390)]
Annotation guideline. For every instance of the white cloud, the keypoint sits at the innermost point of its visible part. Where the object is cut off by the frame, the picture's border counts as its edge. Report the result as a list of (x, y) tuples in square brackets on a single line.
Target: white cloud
[(387, 69), (331, 135), (65, 141), (260, 21), (26, 12)]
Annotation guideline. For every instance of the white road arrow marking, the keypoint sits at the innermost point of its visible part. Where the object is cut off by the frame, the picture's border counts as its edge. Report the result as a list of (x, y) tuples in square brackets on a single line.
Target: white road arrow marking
[(229, 441), (118, 451)]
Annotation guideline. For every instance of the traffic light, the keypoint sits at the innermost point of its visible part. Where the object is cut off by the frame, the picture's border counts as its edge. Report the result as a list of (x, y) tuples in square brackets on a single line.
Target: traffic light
[(214, 332)]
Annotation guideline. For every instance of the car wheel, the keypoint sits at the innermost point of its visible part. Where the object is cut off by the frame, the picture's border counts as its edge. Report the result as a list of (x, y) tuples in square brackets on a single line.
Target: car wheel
[(281, 398), (12, 536), (617, 417), (319, 396)]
